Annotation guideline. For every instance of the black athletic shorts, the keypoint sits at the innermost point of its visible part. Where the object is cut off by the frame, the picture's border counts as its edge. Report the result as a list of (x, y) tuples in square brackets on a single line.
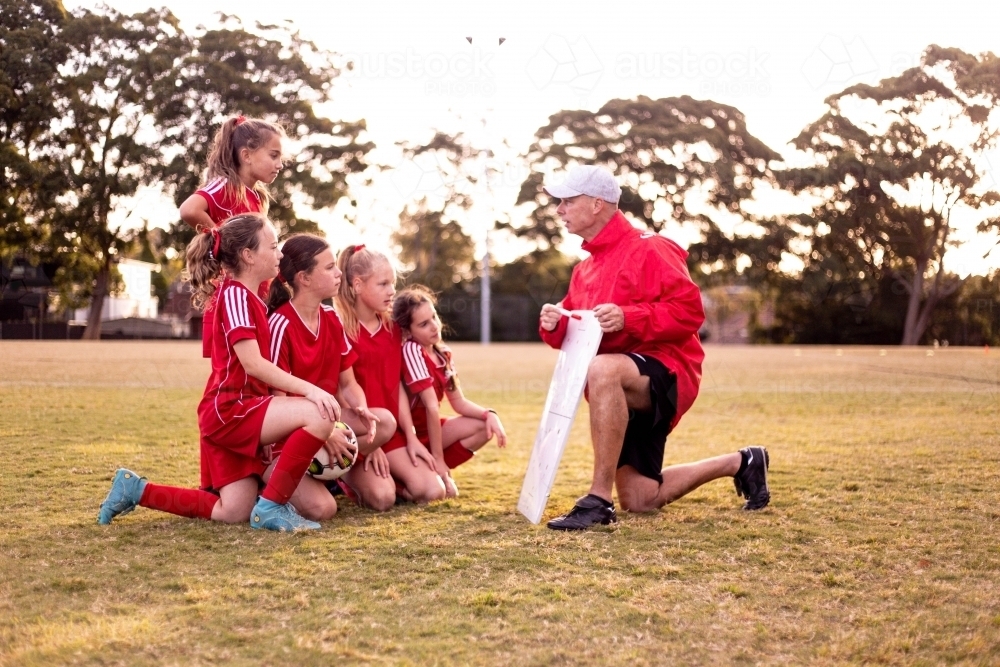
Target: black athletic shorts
[(646, 435)]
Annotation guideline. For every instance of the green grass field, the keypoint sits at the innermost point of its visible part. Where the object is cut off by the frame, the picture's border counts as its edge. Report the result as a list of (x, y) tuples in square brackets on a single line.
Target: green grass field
[(881, 543)]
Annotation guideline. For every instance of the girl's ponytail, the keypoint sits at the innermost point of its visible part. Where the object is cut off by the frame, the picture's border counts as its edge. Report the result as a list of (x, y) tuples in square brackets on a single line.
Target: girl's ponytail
[(278, 294), (216, 249), (236, 134), (357, 261), (203, 267), (346, 299), (297, 254)]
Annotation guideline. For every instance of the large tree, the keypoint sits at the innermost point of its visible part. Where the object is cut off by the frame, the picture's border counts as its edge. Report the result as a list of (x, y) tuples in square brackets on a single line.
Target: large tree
[(449, 175), (891, 163), (678, 158), (271, 73), (436, 252), (31, 52), (120, 69)]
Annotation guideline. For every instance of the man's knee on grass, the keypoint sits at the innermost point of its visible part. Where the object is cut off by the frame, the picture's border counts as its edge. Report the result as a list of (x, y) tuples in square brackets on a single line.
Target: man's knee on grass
[(637, 493)]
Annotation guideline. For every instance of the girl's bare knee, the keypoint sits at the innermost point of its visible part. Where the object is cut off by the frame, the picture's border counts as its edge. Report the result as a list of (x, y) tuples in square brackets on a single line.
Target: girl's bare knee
[(319, 427), (380, 499), (231, 513), (386, 426), (428, 492), (325, 510)]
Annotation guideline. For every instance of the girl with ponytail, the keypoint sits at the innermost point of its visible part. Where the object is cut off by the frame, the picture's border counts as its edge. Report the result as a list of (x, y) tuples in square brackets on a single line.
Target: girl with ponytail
[(364, 304), (430, 376), (246, 154), (308, 341), (238, 417)]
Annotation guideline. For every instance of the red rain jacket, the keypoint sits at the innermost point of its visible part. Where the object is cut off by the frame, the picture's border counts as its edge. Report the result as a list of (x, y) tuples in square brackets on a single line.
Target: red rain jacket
[(645, 274)]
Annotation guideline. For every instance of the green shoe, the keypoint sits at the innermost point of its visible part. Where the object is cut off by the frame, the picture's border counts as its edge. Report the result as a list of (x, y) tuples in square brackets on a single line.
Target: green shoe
[(126, 491), (269, 515)]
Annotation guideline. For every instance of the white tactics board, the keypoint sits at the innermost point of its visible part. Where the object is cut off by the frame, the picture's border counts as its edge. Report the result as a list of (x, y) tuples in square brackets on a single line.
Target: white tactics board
[(565, 391)]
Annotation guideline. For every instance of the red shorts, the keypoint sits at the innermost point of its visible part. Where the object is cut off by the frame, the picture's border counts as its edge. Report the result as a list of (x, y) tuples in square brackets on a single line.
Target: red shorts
[(454, 455), (397, 441), (233, 452)]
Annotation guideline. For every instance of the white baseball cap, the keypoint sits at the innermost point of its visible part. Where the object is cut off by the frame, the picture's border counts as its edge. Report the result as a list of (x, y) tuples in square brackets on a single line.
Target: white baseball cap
[(590, 180)]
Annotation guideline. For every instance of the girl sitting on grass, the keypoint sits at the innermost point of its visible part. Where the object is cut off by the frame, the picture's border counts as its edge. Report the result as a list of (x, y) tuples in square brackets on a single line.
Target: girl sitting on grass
[(237, 415), (364, 304), (430, 376), (308, 341)]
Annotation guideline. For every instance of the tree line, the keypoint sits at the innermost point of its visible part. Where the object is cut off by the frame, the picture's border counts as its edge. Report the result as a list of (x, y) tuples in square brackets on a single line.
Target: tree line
[(96, 104)]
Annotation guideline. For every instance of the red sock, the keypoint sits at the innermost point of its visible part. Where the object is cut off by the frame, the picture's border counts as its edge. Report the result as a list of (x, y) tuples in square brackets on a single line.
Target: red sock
[(295, 458), (190, 503), (456, 455)]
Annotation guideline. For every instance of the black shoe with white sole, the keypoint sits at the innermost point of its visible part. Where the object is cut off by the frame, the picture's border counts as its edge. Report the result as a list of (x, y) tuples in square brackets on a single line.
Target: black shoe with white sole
[(589, 511), (751, 482)]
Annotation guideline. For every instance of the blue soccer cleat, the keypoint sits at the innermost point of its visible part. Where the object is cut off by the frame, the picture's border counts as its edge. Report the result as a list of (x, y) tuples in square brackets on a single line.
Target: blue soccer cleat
[(269, 515), (126, 491)]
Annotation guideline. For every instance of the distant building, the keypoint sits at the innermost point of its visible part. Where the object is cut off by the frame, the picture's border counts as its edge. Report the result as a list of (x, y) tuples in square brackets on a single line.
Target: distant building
[(136, 300), (730, 313), (24, 290)]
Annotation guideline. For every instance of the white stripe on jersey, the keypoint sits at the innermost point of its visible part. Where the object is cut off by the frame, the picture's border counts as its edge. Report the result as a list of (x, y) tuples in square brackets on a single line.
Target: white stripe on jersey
[(278, 323), (415, 364), (236, 308), (347, 341), (215, 185)]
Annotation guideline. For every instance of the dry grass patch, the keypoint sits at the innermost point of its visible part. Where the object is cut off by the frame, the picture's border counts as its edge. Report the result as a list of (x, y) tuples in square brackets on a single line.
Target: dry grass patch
[(879, 545)]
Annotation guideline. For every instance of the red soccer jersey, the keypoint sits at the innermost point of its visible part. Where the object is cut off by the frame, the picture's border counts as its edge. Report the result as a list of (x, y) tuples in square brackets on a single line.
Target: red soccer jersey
[(377, 368), (318, 358), (222, 205), (420, 371), (230, 391)]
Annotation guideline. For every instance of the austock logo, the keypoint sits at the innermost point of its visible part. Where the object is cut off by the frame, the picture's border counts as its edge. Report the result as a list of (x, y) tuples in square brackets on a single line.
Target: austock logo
[(837, 62), (466, 73), (733, 73), (560, 62)]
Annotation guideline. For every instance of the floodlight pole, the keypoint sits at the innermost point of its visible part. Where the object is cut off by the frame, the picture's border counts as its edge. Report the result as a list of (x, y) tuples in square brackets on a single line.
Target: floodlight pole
[(485, 307)]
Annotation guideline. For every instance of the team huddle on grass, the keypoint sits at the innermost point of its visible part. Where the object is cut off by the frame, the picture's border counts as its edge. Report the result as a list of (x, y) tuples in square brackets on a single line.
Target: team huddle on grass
[(291, 376), (363, 381)]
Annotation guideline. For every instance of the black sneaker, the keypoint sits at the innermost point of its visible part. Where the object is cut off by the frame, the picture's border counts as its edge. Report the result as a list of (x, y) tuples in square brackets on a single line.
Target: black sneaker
[(752, 482), (589, 511)]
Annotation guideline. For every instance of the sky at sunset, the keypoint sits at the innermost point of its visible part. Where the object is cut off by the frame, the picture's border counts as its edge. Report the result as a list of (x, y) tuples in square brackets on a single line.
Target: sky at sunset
[(414, 72)]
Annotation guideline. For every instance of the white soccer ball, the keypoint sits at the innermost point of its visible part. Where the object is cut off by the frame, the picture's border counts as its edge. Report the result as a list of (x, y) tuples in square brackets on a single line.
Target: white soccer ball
[(325, 470)]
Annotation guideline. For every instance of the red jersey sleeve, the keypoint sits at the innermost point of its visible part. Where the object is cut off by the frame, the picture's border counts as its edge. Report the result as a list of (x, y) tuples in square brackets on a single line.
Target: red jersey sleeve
[(213, 193), (233, 312), (416, 374)]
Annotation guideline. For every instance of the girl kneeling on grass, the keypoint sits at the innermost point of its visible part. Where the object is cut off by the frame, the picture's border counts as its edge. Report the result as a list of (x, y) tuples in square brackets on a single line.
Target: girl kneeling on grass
[(364, 304), (429, 377), (308, 341), (237, 414)]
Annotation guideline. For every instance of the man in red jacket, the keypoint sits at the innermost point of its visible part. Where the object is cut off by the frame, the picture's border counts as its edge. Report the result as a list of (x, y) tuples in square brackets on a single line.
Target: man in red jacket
[(648, 367)]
